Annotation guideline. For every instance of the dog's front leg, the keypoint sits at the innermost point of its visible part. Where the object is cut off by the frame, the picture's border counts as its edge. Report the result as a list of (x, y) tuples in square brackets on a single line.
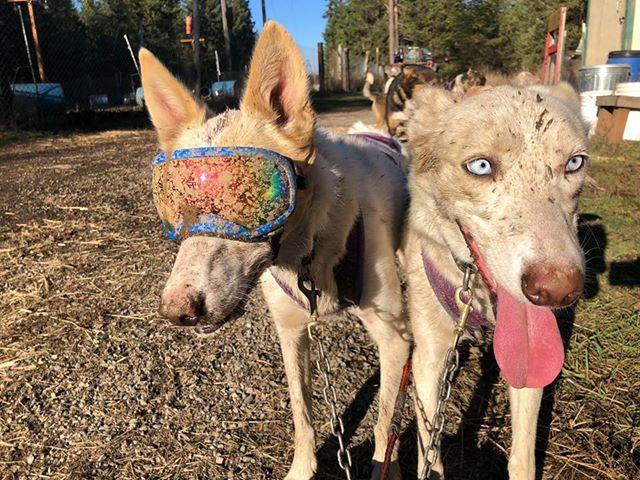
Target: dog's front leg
[(294, 343), (525, 405), (392, 341), (428, 363)]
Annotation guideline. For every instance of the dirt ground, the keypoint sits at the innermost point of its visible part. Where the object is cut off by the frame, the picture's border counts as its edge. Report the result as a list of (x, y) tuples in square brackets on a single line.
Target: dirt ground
[(94, 385)]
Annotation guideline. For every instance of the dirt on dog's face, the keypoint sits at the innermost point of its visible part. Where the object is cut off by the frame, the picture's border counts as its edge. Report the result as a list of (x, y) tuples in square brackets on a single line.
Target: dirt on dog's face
[(513, 161), (503, 169), (210, 280), (211, 277)]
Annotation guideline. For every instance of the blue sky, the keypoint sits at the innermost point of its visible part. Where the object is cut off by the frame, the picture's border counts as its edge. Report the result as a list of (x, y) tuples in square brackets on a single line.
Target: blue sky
[(303, 18)]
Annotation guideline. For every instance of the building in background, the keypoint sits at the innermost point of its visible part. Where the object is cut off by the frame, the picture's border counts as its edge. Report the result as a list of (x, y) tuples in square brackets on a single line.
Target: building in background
[(611, 25)]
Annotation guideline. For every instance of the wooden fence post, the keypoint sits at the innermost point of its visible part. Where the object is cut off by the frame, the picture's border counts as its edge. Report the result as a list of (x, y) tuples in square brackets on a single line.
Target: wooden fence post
[(321, 85), (346, 83), (366, 64), (340, 65)]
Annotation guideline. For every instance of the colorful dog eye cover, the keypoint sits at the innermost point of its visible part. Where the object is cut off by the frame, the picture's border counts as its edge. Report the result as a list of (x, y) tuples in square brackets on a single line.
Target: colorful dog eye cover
[(242, 193)]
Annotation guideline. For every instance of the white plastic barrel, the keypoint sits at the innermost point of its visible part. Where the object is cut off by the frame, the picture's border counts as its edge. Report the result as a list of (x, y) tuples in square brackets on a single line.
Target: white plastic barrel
[(589, 109)]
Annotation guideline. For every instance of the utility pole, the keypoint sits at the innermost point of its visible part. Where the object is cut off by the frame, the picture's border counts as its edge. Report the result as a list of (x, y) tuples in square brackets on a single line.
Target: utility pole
[(196, 45), (397, 25), (225, 30), (321, 67), (34, 32), (264, 12), (392, 30)]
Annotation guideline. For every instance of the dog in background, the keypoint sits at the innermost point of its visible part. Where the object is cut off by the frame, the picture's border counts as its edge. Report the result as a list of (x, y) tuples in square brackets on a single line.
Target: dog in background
[(494, 184), (378, 101), (348, 184), (410, 80), (471, 79), (389, 104)]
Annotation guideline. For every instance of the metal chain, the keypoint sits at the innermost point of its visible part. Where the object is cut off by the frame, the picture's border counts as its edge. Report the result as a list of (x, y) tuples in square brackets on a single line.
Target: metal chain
[(451, 363), (307, 286)]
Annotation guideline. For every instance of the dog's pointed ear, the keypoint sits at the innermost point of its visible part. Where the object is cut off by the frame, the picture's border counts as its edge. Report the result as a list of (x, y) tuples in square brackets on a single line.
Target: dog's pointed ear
[(277, 89), (171, 106), (424, 112), (428, 102)]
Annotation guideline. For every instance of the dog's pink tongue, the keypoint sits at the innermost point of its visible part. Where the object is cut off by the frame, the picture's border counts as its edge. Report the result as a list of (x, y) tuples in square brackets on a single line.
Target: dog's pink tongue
[(526, 343)]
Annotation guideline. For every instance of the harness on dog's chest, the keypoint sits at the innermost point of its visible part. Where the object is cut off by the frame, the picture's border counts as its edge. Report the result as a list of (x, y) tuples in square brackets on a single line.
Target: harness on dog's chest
[(348, 273), (445, 293), (388, 142)]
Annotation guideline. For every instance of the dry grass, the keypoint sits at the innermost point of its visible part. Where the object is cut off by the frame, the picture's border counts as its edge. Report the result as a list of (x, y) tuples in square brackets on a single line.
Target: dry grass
[(94, 385)]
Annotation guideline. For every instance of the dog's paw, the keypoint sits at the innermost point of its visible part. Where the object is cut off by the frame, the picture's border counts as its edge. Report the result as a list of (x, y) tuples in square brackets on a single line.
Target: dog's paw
[(393, 473), (302, 471), (297, 475)]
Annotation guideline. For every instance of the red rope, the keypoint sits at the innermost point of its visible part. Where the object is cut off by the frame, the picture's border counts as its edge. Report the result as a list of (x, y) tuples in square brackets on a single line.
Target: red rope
[(387, 455), (393, 436), (406, 374)]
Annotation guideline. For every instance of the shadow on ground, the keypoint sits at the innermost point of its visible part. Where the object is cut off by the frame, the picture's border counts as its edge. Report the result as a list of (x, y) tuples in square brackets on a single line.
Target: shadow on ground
[(466, 455)]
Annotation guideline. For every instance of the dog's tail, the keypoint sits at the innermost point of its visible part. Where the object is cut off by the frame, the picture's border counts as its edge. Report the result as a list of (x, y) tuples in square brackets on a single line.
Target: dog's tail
[(366, 90)]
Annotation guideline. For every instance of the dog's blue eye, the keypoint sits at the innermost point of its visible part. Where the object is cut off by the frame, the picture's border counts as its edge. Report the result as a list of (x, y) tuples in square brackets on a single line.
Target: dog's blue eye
[(480, 167), (575, 163)]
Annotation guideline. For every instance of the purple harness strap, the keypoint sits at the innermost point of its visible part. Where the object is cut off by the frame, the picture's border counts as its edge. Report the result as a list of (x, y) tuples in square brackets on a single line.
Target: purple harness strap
[(388, 142), (287, 289), (348, 273), (445, 292)]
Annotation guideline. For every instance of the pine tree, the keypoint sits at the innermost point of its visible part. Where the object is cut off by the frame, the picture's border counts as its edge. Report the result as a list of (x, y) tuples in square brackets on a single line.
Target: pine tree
[(503, 35), (437, 25), (243, 34), (162, 24), (63, 40), (360, 25)]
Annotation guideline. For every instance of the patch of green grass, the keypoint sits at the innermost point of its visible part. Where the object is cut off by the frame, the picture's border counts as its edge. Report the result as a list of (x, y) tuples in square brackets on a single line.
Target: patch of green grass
[(603, 362), (614, 196), (325, 103)]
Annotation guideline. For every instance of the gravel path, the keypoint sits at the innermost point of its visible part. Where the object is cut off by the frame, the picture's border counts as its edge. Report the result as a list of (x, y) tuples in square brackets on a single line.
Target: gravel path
[(93, 384)]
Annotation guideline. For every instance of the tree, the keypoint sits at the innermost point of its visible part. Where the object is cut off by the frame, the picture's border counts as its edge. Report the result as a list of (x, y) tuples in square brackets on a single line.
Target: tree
[(241, 31), (12, 57), (162, 25), (243, 35), (360, 25), (62, 40), (439, 25), (503, 35), (155, 24), (526, 37)]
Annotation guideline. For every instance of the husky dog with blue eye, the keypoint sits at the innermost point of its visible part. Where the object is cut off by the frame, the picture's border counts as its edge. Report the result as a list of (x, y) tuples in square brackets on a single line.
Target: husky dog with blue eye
[(350, 200), (494, 185)]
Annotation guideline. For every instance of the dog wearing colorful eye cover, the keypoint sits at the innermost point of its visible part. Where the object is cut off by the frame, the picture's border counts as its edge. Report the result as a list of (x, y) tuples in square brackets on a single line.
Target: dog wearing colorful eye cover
[(494, 186), (344, 184)]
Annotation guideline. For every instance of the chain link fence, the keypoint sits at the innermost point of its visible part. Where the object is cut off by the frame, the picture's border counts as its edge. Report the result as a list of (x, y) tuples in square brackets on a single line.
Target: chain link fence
[(46, 67), (50, 66)]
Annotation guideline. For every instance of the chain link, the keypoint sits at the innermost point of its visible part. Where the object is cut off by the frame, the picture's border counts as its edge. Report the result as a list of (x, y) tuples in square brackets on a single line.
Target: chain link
[(307, 286), (331, 400), (451, 363)]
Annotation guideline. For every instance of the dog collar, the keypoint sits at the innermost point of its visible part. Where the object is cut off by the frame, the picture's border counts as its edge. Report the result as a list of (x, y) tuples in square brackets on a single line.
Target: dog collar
[(445, 293)]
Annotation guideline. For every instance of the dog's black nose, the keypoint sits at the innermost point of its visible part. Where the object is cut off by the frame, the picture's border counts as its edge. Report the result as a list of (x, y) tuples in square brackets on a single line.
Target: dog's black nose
[(552, 285), (187, 320), (182, 306)]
